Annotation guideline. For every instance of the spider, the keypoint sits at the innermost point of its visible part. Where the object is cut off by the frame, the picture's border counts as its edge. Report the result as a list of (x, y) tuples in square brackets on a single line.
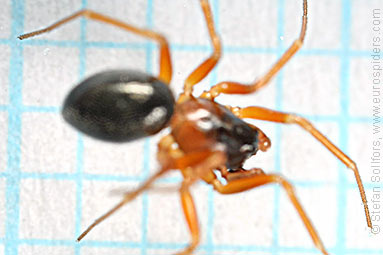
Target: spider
[(124, 105)]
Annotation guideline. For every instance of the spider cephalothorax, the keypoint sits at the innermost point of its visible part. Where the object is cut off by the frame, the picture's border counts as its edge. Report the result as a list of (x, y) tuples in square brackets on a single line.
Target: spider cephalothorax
[(210, 125)]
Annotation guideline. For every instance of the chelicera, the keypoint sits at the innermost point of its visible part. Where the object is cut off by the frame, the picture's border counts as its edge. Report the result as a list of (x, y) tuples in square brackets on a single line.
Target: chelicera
[(124, 105)]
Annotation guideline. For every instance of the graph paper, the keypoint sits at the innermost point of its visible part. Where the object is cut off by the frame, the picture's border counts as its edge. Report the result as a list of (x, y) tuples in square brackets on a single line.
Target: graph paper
[(54, 182)]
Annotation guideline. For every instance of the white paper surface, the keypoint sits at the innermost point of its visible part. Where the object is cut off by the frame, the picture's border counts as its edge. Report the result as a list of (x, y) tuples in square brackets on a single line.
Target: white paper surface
[(54, 183)]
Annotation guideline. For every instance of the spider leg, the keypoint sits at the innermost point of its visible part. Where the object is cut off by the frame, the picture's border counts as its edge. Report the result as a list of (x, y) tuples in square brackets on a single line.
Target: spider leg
[(183, 162), (228, 87), (190, 213), (192, 173), (200, 171), (243, 184), (261, 113), (204, 69), (127, 198), (165, 61), (239, 173), (264, 142)]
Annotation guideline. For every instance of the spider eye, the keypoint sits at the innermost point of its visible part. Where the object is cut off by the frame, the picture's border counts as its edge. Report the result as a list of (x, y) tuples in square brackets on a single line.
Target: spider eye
[(246, 148), (242, 132), (238, 130), (206, 119)]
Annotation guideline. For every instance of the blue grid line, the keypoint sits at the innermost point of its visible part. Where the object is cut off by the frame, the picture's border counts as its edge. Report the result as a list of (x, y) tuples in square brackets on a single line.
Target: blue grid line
[(197, 48), (253, 248), (210, 246), (14, 130), (234, 248), (94, 177), (227, 49), (163, 246), (80, 141), (343, 127), (210, 221), (314, 118), (159, 246), (146, 165), (5, 41), (41, 109), (278, 131), (126, 178), (165, 180)]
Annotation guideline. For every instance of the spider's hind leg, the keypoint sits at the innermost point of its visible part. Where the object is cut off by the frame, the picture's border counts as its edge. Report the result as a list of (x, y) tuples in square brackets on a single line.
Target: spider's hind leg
[(165, 61), (243, 184), (229, 87)]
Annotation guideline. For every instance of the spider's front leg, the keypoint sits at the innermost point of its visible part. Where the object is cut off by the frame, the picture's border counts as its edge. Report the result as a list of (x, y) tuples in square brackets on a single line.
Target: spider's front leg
[(230, 175), (260, 113)]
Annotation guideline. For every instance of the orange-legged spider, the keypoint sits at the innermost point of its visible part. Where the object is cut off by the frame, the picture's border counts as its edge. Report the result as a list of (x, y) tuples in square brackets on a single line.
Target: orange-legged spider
[(123, 105)]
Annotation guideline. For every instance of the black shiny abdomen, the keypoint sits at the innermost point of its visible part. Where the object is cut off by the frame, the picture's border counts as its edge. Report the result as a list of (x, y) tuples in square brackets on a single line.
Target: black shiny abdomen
[(119, 105)]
